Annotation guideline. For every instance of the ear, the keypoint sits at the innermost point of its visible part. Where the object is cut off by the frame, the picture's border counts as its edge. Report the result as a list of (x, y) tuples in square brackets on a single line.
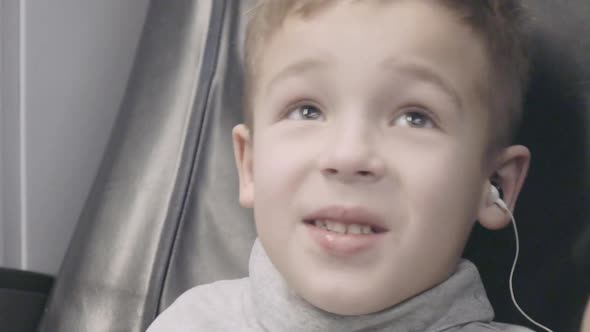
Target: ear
[(510, 170), (243, 156)]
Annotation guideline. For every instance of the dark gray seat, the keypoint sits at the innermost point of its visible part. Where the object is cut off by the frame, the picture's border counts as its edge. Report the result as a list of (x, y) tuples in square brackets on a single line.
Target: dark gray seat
[(22, 298), (555, 201), (164, 216)]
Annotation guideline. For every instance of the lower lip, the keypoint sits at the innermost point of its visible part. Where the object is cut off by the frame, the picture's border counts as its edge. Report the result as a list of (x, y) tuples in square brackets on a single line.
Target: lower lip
[(343, 244)]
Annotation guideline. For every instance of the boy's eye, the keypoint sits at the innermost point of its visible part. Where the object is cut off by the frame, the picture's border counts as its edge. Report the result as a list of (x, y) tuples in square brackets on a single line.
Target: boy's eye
[(305, 112), (414, 119)]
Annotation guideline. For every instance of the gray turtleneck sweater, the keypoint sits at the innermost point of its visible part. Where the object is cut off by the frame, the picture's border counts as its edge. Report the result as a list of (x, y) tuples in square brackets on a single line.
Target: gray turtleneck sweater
[(263, 302)]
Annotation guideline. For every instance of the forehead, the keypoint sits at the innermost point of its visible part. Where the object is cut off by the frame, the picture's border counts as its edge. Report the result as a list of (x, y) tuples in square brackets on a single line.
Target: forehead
[(422, 34)]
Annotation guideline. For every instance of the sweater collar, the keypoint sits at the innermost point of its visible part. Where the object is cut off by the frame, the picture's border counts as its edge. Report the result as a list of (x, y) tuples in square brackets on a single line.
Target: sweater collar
[(459, 300)]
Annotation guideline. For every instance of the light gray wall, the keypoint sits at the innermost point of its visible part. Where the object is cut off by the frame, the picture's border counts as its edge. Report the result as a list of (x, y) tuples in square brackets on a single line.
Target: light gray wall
[(67, 63)]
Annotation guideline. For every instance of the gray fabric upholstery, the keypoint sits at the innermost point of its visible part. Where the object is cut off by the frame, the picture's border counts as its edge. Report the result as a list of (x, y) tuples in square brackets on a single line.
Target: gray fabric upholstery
[(113, 275), (215, 234), (163, 215)]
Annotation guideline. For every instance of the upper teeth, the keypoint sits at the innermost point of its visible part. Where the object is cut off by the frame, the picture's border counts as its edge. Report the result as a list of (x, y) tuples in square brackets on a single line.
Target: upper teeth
[(338, 227)]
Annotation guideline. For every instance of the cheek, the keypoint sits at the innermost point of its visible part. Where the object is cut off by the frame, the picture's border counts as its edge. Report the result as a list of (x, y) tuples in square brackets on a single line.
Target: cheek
[(442, 200), (443, 187), (279, 167), (271, 191), (282, 158)]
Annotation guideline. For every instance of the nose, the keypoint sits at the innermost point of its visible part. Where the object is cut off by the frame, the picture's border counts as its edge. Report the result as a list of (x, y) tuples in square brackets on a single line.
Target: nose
[(352, 156)]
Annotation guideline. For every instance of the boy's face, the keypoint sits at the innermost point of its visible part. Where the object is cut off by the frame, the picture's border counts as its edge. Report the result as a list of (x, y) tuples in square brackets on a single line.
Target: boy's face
[(367, 119)]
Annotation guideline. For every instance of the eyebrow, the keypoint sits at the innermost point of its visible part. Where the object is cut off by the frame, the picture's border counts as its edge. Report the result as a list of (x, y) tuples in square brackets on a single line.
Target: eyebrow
[(297, 68), (424, 73), (396, 64)]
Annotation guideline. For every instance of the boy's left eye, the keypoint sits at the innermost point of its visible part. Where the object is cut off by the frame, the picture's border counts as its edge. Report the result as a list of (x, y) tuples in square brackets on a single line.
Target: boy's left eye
[(414, 119)]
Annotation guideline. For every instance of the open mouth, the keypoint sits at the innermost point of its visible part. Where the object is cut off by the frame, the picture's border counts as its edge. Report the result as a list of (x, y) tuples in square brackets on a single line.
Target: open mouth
[(345, 228)]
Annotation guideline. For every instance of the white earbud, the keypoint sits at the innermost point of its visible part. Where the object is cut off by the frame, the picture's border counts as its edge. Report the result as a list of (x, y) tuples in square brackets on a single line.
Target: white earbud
[(494, 198)]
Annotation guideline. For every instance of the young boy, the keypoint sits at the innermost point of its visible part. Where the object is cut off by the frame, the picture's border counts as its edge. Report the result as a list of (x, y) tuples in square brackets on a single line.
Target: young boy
[(374, 129)]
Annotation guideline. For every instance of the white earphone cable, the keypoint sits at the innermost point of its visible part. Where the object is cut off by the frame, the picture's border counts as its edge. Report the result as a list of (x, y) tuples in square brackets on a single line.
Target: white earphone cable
[(503, 207)]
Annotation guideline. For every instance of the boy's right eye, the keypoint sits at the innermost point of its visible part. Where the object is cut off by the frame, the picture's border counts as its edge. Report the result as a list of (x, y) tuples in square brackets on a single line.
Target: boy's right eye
[(305, 112)]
